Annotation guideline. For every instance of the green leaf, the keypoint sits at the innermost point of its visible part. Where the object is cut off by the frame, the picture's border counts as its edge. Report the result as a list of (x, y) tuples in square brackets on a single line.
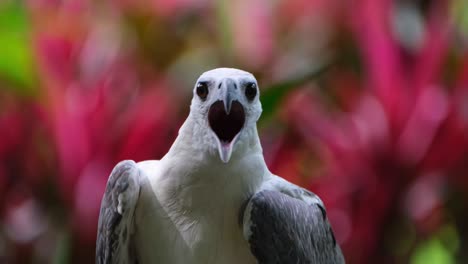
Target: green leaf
[(272, 96), (62, 252), (432, 251), (224, 30), (460, 15), (16, 59)]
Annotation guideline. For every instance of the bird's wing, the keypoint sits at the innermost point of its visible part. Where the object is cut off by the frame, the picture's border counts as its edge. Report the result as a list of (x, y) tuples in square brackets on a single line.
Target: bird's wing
[(284, 223), (115, 226)]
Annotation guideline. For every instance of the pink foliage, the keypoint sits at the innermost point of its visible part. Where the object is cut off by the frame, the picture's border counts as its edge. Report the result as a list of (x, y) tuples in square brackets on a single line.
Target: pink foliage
[(405, 128), (382, 136), (98, 113)]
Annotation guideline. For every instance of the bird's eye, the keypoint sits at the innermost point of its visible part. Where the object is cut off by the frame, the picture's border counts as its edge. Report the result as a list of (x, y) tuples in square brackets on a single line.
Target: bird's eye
[(202, 90), (250, 90)]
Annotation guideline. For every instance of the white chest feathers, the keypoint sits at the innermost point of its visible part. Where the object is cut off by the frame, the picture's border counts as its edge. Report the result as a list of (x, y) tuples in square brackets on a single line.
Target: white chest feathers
[(193, 219)]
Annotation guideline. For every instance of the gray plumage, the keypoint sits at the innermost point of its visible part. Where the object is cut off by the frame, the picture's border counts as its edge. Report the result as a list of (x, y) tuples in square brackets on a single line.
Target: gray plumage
[(286, 230), (113, 243), (186, 207)]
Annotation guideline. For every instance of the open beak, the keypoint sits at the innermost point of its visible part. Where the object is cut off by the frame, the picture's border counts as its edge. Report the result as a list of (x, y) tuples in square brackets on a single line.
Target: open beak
[(226, 118)]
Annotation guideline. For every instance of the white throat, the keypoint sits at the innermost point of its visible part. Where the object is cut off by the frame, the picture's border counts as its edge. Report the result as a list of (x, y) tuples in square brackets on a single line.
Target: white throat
[(201, 173)]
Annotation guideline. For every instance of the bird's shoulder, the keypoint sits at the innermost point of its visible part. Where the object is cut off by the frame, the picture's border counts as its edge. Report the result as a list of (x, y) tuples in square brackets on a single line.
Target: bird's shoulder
[(116, 214), (122, 187), (152, 175), (149, 168), (280, 185), (285, 223), (270, 196)]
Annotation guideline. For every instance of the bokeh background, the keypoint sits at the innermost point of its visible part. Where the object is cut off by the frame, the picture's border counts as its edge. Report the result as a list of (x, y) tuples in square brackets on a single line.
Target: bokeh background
[(365, 103)]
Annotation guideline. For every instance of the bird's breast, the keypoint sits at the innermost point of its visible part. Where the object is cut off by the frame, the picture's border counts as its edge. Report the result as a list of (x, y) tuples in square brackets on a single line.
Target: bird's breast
[(193, 222)]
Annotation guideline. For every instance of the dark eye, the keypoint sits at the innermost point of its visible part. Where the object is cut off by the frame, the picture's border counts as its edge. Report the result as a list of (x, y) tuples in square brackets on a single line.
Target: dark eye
[(250, 90), (202, 90)]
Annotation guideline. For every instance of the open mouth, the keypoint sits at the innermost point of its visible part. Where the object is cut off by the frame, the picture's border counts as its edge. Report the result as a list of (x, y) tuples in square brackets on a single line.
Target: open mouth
[(226, 126)]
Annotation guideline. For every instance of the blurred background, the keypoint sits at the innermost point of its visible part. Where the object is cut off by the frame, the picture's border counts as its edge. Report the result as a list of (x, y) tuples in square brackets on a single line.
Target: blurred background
[(365, 103)]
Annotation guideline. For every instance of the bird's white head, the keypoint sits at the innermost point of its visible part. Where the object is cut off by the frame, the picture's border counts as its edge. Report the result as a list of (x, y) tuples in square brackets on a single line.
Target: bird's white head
[(226, 101)]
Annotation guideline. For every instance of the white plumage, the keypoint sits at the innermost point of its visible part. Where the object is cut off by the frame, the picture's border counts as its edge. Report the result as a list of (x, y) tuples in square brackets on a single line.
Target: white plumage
[(188, 207)]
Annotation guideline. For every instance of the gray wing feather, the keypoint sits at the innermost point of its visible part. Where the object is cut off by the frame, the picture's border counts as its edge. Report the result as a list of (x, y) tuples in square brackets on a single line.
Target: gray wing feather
[(113, 244), (283, 229)]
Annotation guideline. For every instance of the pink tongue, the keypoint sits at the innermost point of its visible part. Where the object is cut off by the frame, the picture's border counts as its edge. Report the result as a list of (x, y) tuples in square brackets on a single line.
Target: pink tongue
[(225, 151)]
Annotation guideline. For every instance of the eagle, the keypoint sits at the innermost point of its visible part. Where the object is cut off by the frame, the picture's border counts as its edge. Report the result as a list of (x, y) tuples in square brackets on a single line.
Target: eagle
[(211, 198)]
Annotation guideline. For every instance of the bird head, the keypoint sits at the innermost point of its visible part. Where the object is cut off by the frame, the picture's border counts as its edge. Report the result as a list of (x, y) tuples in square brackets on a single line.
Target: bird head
[(227, 102)]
